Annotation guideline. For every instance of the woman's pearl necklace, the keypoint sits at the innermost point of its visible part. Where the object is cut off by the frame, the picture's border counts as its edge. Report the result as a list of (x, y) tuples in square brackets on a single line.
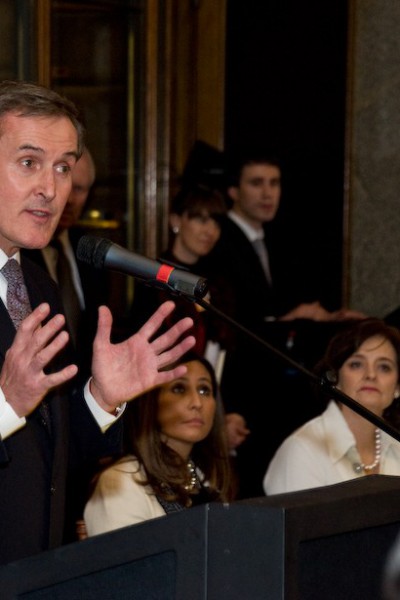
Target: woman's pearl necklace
[(362, 467)]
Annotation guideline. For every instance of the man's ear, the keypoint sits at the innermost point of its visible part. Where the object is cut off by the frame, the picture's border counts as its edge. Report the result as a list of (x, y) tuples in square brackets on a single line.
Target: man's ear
[(233, 193)]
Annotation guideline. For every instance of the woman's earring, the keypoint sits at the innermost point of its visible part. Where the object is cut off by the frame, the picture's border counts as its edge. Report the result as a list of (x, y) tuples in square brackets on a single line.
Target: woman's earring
[(175, 229), (396, 394), (331, 377)]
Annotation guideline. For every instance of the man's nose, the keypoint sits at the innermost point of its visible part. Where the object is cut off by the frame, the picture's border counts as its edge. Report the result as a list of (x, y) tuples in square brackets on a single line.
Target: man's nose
[(266, 189), (47, 184)]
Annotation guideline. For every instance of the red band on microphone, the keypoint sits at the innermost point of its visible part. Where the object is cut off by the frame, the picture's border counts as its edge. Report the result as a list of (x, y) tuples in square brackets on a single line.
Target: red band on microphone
[(163, 273)]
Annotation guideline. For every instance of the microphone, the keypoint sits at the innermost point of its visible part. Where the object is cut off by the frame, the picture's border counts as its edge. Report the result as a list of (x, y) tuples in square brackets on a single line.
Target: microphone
[(101, 253)]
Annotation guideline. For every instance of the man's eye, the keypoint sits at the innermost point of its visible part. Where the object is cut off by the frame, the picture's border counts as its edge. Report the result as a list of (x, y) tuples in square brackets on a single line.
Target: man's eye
[(64, 169), (28, 162)]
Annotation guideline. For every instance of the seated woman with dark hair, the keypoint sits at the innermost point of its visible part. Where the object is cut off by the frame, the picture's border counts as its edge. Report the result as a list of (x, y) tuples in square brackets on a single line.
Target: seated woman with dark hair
[(177, 454), (363, 361)]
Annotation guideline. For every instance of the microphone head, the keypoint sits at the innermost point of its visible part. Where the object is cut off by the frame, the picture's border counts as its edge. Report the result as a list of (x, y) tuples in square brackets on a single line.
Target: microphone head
[(92, 250), (201, 288)]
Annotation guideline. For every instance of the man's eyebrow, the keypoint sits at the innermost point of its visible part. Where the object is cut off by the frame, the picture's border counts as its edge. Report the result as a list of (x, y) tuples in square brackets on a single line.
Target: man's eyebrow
[(70, 153), (30, 147)]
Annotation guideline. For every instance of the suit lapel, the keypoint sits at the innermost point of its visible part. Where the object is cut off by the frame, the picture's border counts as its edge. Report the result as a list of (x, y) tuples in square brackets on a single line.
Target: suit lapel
[(7, 331)]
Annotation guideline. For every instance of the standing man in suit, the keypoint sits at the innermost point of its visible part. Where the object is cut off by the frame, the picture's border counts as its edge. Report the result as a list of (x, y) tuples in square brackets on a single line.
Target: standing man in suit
[(244, 256), (44, 425), (83, 289)]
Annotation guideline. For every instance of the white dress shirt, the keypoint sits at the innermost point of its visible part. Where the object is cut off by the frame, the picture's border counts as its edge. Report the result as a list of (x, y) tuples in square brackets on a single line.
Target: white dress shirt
[(250, 232), (323, 452)]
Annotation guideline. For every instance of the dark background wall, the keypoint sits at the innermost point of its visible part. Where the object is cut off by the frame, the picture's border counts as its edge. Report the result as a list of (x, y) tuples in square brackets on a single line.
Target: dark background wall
[(286, 92)]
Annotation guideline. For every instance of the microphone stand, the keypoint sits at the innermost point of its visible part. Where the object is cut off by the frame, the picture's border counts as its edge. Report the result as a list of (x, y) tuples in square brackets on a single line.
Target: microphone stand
[(323, 383)]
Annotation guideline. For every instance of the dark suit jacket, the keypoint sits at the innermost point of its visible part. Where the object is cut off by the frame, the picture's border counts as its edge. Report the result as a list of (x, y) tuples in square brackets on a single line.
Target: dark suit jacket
[(234, 266), (34, 462), (95, 292)]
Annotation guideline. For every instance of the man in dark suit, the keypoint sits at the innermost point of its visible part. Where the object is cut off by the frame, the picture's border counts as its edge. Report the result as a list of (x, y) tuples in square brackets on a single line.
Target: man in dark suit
[(43, 425), (83, 290), (245, 257)]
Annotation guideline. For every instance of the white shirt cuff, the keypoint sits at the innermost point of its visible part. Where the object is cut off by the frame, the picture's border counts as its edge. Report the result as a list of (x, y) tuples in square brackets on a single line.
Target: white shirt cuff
[(10, 422), (103, 418)]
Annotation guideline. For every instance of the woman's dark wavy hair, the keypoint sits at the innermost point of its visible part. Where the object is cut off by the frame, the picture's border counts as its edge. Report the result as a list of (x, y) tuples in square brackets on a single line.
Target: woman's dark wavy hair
[(199, 200), (165, 470), (347, 341)]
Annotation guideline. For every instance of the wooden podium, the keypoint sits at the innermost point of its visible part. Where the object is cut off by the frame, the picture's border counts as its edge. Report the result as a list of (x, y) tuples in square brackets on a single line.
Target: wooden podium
[(324, 544)]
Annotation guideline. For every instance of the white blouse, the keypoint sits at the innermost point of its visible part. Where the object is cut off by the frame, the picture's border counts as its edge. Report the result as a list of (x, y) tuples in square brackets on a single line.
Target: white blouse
[(323, 452), (120, 500)]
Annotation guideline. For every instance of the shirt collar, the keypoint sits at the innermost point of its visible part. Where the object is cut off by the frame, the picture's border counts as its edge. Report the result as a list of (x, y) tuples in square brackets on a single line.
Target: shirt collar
[(250, 232), (4, 258), (340, 439)]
